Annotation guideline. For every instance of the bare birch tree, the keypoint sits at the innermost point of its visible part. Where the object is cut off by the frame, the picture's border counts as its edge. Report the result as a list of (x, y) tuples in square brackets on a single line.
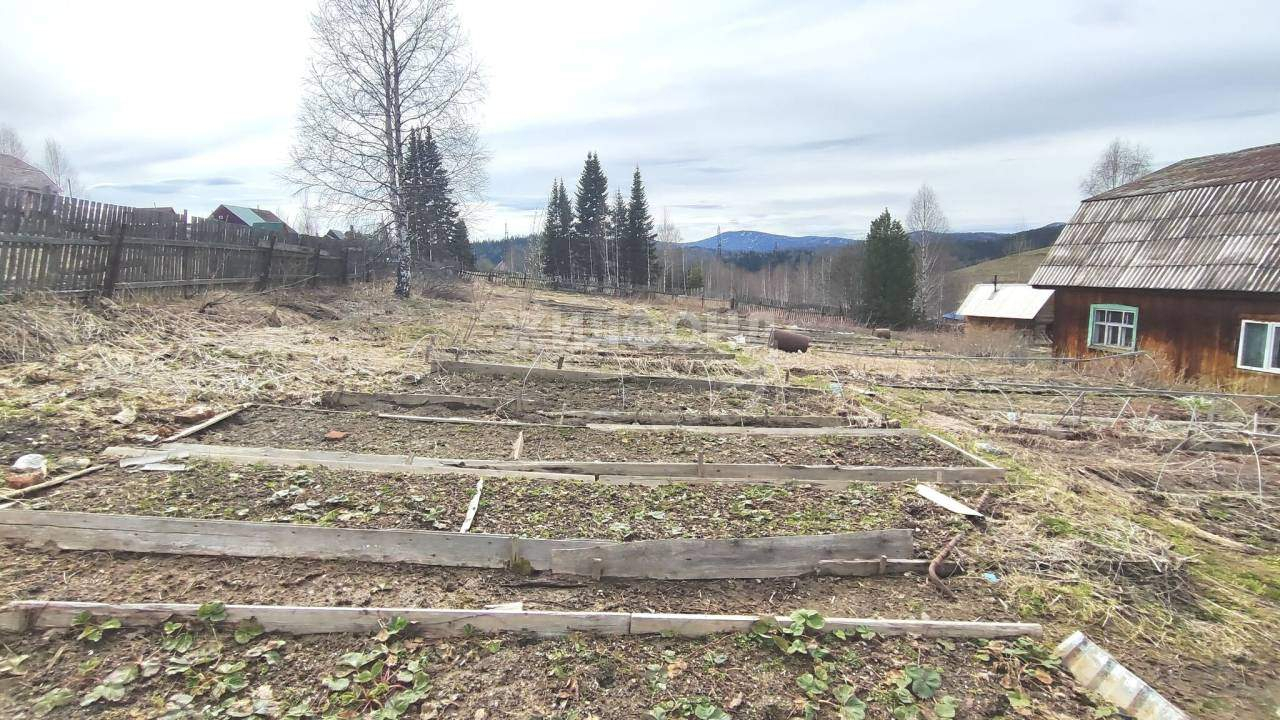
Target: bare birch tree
[(1120, 162), (59, 168), (380, 68), (927, 223), (11, 143)]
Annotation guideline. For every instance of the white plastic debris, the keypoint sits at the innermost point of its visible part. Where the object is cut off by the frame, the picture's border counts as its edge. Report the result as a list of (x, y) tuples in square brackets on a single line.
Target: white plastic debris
[(991, 449), (31, 462)]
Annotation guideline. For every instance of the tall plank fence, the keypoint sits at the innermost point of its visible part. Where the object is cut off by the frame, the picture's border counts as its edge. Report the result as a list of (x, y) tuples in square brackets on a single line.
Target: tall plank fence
[(51, 243)]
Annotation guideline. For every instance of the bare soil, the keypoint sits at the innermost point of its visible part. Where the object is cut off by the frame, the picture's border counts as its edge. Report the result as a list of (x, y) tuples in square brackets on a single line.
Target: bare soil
[(141, 577), (279, 427)]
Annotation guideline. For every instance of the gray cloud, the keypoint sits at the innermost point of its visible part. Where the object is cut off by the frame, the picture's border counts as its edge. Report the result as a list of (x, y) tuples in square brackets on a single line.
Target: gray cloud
[(162, 187), (801, 118)]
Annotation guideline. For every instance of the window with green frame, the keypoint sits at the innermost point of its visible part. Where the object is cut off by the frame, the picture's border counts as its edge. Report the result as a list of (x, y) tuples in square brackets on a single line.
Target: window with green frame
[(1113, 327)]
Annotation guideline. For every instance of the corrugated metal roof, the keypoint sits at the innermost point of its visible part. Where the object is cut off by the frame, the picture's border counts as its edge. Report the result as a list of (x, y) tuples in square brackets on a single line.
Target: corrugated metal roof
[(247, 215), (1222, 237), (1012, 301)]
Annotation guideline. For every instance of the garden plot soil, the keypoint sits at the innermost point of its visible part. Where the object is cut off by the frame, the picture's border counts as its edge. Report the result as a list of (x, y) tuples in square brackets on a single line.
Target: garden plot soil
[(531, 508), (620, 362), (631, 396), (287, 428), (515, 676), (27, 573)]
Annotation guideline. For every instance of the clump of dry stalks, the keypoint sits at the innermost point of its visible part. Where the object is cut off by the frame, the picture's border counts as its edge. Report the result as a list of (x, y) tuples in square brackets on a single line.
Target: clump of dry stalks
[(35, 328)]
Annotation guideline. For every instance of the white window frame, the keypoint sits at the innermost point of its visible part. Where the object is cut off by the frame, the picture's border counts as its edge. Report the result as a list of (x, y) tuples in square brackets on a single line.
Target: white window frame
[(1269, 343), (1120, 327)]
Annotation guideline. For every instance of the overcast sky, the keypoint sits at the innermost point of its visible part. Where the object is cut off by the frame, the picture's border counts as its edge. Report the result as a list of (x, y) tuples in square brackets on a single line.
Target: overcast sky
[(803, 117)]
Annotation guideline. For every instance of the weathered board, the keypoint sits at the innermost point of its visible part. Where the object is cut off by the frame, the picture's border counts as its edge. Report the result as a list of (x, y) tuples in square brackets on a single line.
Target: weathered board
[(34, 615), (612, 473), (656, 559), (752, 471), (732, 558)]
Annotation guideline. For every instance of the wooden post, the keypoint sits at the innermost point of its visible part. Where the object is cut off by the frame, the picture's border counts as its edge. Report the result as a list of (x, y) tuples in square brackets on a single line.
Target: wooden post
[(315, 267), (264, 275), (114, 257), (343, 277)]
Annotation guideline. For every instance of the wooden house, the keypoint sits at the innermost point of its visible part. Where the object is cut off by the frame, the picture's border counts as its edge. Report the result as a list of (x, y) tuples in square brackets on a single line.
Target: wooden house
[(1183, 264), (253, 217), (20, 174)]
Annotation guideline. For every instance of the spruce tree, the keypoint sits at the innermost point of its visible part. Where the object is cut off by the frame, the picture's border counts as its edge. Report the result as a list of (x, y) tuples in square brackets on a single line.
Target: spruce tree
[(617, 231), (590, 211), (460, 243), (564, 218), (888, 273), (639, 241), (411, 189), (433, 224), (555, 249), (438, 210)]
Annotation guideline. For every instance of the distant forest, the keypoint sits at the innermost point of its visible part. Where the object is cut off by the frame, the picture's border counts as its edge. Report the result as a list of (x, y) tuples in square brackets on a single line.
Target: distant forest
[(815, 276)]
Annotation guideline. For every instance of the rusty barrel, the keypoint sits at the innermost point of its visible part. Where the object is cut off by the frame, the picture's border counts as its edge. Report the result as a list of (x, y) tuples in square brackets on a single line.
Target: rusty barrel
[(788, 341)]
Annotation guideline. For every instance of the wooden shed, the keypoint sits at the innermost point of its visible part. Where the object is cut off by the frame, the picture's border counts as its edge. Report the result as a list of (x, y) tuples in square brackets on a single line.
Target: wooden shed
[(1183, 263), (1015, 307)]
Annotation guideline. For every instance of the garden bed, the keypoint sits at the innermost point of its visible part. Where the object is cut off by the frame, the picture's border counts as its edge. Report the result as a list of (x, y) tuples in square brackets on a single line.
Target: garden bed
[(235, 669), (629, 395), (367, 433), (529, 508)]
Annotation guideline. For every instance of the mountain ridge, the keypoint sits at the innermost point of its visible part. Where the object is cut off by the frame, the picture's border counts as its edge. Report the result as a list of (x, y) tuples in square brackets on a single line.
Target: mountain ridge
[(758, 241)]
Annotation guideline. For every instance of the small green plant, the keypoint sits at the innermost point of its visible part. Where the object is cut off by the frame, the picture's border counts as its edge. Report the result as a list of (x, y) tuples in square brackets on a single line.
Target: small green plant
[(945, 707), (698, 708), (247, 631), (212, 612), (851, 708), (52, 700), (91, 629), (924, 682), (112, 687), (790, 637)]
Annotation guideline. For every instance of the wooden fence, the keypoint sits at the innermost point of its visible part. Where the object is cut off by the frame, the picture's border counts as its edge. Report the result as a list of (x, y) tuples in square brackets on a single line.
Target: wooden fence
[(51, 243)]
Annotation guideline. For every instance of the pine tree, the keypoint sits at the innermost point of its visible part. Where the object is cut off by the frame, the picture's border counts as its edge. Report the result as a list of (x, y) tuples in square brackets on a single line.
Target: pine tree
[(639, 241), (888, 273), (590, 211)]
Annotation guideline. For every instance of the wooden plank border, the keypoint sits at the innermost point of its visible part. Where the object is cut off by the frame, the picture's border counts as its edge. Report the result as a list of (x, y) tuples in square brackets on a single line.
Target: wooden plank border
[(651, 559), (834, 477), (381, 401), (36, 615)]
